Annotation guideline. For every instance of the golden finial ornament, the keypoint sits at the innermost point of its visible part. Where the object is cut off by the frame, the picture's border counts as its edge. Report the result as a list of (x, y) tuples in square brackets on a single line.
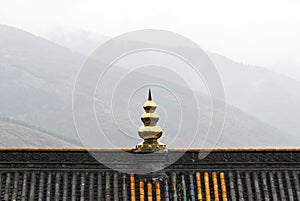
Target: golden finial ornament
[(150, 132)]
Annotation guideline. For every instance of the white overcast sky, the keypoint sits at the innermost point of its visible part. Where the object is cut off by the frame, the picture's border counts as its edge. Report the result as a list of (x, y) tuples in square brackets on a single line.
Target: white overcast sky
[(260, 32)]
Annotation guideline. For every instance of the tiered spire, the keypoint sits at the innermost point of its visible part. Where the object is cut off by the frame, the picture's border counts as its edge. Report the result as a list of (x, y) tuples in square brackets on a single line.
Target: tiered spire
[(150, 132)]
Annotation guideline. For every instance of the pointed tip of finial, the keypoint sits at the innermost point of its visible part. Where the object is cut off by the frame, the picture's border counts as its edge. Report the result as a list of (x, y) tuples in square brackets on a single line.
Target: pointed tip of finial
[(149, 95)]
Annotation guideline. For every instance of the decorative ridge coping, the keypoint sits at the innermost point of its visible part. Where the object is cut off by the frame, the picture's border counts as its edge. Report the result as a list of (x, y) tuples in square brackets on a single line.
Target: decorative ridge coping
[(81, 158), (81, 149)]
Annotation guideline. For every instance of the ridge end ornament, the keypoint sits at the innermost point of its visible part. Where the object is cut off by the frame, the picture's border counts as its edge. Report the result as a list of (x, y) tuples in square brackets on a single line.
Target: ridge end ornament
[(150, 132)]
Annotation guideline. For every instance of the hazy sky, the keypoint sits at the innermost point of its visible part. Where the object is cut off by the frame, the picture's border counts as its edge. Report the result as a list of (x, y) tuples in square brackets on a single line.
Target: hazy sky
[(261, 32)]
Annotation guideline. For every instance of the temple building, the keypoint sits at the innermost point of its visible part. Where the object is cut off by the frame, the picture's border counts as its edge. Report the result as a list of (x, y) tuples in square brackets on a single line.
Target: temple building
[(74, 173)]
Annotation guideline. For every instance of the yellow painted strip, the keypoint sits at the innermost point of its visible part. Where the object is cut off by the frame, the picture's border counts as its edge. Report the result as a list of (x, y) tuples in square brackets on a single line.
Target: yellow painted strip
[(132, 187), (157, 191), (198, 184), (142, 191), (223, 186), (149, 188), (206, 185), (216, 187)]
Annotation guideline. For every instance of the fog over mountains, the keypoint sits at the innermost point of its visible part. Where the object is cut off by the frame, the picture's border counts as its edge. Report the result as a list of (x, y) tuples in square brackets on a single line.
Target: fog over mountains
[(37, 78), (16, 135)]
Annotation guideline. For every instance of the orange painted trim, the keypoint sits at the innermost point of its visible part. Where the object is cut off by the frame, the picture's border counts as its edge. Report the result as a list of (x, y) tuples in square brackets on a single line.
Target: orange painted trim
[(132, 188), (215, 186), (66, 149), (149, 188), (142, 191), (207, 188), (170, 150), (157, 191), (235, 150), (223, 186), (198, 184)]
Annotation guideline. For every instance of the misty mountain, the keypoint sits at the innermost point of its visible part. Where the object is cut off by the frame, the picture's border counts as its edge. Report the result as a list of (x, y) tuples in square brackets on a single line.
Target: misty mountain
[(37, 78), (263, 94), (81, 41), (240, 129), (266, 95), (19, 136)]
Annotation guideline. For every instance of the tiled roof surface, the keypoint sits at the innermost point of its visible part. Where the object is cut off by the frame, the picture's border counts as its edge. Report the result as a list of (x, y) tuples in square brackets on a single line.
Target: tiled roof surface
[(107, 185), (223, 175)]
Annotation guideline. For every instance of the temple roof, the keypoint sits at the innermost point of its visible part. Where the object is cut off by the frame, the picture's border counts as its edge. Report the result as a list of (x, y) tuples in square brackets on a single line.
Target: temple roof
[(225, 174)]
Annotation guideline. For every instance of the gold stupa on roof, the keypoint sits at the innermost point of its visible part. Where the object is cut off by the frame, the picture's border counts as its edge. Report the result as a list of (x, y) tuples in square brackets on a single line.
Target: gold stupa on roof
[(150, 132)]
